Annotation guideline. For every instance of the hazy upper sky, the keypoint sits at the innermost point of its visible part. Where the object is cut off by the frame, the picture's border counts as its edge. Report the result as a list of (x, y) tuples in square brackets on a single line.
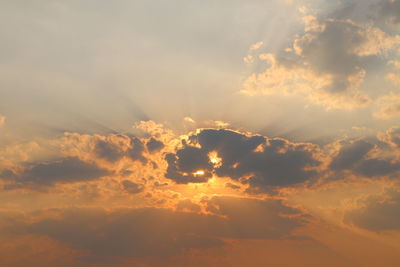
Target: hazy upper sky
[(200, 133)]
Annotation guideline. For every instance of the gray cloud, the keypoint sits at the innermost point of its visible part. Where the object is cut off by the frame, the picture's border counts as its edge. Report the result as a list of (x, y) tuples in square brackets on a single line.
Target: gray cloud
[(162, 233), (136, 150), (391, 10), (232, 186), (113, 151), (377, 167), (277, 163), (107, 150), (255, 219), (154, 145), (354, 156), (377, 213), (332, 60), (350, 154), (132, 187), (186, 161), (333, 50), (130, 233), (66, 170)]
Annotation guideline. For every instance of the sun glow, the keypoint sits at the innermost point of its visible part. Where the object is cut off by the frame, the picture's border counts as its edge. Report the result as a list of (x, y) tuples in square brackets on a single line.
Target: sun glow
[(199, 173), (214, 159)]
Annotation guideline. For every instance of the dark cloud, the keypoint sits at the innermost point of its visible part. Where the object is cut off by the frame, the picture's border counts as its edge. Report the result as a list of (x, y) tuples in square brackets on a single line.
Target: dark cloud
[(187, 161), (377, 213), (232, 186), (108, 151), (135, 152), (350, 154), (117, 146), (158, 184), (132, 187), (231, 146), (333, 49), (377, 167), (154, 145), (66, 170), (269, 162), (336, 50), (354, 157), (151, 232)]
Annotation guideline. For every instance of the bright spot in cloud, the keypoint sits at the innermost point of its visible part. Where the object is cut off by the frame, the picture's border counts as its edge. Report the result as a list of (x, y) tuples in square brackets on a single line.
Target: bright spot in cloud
[(214, 159), (199, 173)]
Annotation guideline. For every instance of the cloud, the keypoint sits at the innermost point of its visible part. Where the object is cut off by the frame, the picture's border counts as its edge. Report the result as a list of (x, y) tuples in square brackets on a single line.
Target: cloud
[(129, 233), (391, 136), (232, 186), (2, 120), (394, 76), (110, 148), (66, 170), (367, 158), (184, 165), (75, 157), (390, 10), (378, 213), (350, 154), (263, 162), (135, 152), (154, 145), (250, 58), (255, 219), (328, 63), (106, 149), (245, 161), (388, 106), (131, 187), (187, 205), (151, 232), (116, 146), (377, 167)]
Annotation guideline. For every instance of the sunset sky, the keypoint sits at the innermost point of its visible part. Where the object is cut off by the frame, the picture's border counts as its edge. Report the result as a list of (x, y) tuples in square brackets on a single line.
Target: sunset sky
[(200, 133)]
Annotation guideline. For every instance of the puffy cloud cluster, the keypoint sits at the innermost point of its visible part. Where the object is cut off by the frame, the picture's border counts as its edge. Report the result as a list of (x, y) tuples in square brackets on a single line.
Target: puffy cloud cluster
[(328, 63), (142, 216), (251, 162), (81, 158), (256, 160), (264, 163), (111, 148)]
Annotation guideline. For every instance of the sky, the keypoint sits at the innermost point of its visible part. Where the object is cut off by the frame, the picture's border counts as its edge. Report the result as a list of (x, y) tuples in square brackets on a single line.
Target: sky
[(200, 133)]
